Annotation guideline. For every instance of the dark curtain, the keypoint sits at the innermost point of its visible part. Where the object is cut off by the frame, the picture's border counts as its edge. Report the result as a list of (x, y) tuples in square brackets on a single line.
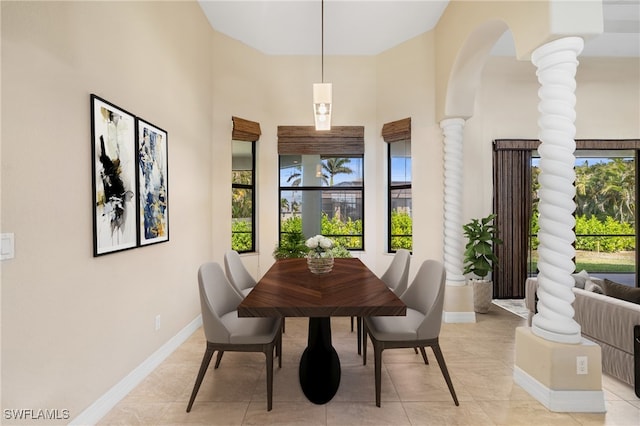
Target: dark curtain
[(512, 204)]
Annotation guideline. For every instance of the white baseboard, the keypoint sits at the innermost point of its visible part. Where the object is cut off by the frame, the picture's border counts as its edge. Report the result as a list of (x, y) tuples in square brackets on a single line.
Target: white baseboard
[(459, 317), (106, 402), (576, 401)]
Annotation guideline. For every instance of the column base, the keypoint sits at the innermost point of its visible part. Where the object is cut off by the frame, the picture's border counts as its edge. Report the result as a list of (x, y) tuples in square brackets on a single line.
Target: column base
[(548, 371), (458, 304)]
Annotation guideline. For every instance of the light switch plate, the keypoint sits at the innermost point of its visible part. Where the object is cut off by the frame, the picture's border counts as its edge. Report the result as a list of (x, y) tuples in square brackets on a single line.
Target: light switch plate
[(7, 248)]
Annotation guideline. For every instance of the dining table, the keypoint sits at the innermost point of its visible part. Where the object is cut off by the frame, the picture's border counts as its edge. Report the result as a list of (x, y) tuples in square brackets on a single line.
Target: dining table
[(350, 289)]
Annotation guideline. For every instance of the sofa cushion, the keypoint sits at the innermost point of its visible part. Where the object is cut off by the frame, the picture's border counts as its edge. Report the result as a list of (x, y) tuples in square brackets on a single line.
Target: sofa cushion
[(593, 287), (621, 291), (580, 278)]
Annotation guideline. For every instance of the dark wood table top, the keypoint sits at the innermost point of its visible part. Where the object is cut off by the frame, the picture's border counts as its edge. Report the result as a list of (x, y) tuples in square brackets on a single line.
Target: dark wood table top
[(289, 289)]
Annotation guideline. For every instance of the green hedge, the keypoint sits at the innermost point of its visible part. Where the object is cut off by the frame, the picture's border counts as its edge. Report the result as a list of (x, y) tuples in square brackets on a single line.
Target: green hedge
[(593, 226)]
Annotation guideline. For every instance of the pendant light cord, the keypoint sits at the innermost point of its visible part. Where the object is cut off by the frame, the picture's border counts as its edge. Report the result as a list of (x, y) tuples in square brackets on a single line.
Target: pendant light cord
[(322, 41)]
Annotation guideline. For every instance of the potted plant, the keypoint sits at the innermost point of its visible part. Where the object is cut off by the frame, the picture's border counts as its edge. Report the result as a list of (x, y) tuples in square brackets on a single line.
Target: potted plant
[(479, 258), (319, 258), (292, 245)]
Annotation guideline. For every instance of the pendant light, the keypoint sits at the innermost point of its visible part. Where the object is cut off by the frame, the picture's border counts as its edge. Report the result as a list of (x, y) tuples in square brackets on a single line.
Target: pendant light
[(322, 92)]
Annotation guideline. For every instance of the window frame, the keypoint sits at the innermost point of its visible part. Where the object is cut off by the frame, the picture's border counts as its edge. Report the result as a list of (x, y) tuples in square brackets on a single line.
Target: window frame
[(322, 190), (390, 189), (252, 188), (339, 142), (393, 132)]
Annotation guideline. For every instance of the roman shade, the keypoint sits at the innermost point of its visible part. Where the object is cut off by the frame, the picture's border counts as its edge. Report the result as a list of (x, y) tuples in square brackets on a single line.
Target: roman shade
[(245, 130), (340, 140), (397, 131)]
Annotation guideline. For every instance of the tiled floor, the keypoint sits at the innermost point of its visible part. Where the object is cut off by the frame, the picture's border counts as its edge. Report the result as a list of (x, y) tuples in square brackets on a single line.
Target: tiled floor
[(479, 356)]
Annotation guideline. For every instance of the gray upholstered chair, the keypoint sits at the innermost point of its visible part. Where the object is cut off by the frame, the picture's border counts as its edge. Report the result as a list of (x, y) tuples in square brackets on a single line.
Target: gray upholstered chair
[(237, 274), (396, 277), (419, 328), (225, 331)]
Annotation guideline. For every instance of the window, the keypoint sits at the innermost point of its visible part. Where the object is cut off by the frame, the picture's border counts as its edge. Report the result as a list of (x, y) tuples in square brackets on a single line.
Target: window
[(321, 187), (605, 213), (400, 205), (243, 196), (244, 136), (397, 134), (606, 209), (323, 195)]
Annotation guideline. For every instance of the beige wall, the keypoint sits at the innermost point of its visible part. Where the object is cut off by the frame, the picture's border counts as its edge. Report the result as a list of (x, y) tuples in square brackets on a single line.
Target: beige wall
[(468, 29), (406, 76), (74, 325), (367, 91)]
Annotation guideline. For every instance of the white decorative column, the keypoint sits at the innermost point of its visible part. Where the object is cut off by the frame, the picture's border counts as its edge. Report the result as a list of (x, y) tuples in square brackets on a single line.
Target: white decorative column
[(453, 237), (557, 63), (458, 305), (553, 362)]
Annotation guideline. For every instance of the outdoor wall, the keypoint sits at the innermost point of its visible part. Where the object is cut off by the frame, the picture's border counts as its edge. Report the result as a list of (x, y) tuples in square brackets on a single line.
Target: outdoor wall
[(74, 325), (607, 107)]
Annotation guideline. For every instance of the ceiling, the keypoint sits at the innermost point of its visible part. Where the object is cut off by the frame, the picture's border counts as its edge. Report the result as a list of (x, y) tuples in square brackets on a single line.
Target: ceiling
[(365, 27)]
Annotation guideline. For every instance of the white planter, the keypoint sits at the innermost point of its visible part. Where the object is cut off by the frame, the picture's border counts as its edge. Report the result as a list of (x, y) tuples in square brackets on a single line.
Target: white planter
[(482, 295)]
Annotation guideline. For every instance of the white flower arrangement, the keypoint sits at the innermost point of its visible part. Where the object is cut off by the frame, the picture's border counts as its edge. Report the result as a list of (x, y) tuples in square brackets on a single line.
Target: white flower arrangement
[(319, 243)]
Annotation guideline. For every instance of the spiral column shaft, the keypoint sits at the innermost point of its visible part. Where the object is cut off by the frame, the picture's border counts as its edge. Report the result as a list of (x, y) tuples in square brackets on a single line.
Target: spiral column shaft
[(453, 173), (556, 64)]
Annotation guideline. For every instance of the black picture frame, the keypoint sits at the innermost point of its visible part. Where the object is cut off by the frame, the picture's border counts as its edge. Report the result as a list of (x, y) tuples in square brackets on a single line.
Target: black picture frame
[(153, 183), (114, 180)]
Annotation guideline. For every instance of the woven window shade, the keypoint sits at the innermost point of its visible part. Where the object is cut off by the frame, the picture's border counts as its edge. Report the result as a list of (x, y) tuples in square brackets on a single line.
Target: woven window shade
[(245, 130), (531, 144), (397, 131), (340, 140)]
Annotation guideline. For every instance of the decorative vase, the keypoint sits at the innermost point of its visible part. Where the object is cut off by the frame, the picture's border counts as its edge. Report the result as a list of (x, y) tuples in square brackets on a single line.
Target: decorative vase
[(482, 295), (320, 262)]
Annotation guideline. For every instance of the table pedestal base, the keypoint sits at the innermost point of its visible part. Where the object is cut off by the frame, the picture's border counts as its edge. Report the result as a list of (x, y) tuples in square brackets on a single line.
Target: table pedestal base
[(320, 365)]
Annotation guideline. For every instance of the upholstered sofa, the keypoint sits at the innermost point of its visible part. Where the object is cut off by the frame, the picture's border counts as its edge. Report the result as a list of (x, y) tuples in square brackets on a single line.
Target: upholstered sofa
[(603, 319)]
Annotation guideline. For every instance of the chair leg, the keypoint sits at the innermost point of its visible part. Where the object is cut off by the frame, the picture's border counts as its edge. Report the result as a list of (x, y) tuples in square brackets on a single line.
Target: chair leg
[(424, 355), (269, 356), (352, 324), (208, 353), (377, 351), (282, 325), (365, 330), (218, 359), (359, 325), (279, 350), (445, 372)]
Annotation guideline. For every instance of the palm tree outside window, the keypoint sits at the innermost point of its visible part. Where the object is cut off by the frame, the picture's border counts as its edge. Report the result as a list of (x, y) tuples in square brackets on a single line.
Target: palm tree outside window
[(323, 194)]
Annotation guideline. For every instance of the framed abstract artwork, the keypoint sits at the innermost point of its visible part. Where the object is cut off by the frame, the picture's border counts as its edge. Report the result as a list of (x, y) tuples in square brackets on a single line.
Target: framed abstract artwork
[(153, 181), (114, 178)]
